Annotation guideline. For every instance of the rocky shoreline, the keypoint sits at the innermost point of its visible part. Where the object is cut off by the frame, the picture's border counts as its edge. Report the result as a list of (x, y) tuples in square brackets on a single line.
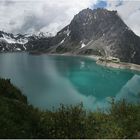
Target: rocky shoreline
[(117, 65), (120, 65)]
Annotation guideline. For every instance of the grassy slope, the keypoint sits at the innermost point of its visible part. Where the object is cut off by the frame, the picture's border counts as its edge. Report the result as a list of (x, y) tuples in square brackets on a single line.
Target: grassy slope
[(20, 120)]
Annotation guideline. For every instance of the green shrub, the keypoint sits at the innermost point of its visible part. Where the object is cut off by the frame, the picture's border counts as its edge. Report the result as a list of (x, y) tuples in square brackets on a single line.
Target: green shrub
[(18, 119)]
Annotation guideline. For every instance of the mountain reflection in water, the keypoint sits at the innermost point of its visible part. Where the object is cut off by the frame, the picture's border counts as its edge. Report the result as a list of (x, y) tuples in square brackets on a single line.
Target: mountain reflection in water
[(48, 81)]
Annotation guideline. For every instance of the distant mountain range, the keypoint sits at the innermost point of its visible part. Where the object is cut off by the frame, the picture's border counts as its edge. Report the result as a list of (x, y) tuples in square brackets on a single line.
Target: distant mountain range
[(97, 32), (11, 43)]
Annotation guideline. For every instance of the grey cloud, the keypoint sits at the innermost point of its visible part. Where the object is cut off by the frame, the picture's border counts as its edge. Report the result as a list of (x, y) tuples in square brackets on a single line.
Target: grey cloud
[(31, 22), (129, 12), (7, 2), (22, 16), (12, 22), (119, 3)]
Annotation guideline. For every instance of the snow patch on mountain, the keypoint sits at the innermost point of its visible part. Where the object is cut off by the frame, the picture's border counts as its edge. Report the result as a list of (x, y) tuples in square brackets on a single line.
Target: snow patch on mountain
[(24, 47), (67, 32), (27, 35), (82, 45), (11, 40), (62, 41), (18, 49), (42, 35), (3, 49)]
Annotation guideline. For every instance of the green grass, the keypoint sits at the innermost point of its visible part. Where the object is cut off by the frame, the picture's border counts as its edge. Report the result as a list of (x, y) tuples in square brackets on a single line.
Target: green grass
[(18, 119)]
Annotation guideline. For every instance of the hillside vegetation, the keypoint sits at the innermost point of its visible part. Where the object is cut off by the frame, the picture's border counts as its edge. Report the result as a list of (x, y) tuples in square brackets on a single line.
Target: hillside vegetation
[(18, 119)]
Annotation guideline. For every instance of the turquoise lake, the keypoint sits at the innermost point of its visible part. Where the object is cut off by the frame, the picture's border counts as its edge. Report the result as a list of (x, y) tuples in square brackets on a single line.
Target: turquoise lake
[(48, 81)]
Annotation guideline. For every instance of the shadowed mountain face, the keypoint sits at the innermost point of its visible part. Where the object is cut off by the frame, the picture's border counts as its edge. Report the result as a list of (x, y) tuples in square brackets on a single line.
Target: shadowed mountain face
[(98, 32)]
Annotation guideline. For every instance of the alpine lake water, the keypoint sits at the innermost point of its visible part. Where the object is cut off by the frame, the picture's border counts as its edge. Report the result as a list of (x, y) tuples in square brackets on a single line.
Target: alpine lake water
[(51, 80)]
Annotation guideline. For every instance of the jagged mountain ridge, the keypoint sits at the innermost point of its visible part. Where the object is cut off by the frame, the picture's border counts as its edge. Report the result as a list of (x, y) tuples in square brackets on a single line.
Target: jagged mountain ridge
[(11, 43), (98, 32)]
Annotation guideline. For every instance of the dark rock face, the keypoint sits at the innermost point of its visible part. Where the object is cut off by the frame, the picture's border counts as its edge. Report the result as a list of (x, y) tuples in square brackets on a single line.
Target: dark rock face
[(98, 32)]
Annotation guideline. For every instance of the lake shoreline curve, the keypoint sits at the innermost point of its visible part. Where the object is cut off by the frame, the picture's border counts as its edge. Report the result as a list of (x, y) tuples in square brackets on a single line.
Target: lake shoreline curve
[(110, 64)]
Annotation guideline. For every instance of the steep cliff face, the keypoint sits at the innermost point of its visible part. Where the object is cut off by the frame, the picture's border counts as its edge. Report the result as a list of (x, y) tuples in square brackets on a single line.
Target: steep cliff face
[(98, 32)]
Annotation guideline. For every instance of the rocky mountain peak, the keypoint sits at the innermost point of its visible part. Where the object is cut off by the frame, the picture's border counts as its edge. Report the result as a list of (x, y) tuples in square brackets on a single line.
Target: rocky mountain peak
[(87, 23), (100, 32), (93, 32), (84, 14)]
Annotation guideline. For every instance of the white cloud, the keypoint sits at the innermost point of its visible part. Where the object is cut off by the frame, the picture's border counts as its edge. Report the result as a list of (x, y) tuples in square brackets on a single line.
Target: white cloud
[(26, 16), (39, 15), (129, 10)]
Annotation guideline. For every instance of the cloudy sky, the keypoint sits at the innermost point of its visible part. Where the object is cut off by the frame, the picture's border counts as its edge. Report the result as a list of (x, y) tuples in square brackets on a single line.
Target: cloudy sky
[(31, 16)]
